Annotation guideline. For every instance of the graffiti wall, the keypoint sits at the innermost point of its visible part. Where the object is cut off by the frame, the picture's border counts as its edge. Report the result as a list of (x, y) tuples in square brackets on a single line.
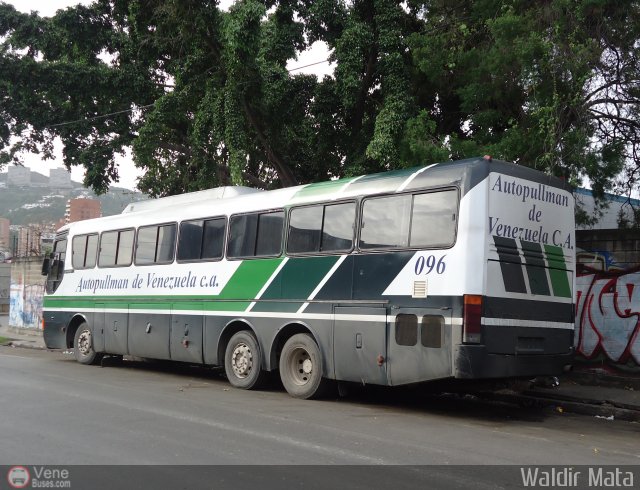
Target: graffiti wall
[(26, 293), (608, 301)]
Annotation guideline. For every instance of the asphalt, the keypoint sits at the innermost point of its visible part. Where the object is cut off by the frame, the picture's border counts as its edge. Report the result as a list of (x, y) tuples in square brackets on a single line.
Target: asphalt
[(588, 391)]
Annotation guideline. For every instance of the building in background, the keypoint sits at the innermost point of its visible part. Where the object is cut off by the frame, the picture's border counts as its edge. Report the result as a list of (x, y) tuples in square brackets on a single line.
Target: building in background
[(5, 242), (18, 176), (60, 178), (32, 240), (81, 209)]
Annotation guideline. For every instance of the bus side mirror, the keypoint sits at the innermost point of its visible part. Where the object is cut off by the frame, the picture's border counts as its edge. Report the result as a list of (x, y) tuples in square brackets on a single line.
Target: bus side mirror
[(46, 265)]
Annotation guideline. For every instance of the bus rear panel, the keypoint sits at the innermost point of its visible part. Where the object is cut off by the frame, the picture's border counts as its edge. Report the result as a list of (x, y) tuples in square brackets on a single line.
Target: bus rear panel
[(522, 323)]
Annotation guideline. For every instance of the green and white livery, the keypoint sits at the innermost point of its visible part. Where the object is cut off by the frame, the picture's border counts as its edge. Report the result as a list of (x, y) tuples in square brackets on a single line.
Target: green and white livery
[(455, 270)]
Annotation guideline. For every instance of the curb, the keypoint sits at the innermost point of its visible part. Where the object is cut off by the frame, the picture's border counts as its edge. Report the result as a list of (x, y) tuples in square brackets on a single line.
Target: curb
[(25, 344), (601, 379), (606, 409)]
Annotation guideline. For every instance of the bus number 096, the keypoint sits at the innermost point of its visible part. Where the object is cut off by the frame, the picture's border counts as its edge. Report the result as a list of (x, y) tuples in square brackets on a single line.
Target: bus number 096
[(430, 263)]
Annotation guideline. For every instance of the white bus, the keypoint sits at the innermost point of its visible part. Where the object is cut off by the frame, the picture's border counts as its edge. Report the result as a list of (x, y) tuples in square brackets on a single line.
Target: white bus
[(454, 270)]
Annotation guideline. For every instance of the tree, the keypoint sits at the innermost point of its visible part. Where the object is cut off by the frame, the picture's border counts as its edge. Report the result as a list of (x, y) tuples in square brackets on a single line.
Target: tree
[(54, 83), (204, 96), (552, 85)]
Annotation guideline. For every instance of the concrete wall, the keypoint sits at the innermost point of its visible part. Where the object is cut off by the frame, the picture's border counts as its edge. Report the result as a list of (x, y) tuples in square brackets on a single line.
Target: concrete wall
[(26, 293), (5, 284), (608, 300)]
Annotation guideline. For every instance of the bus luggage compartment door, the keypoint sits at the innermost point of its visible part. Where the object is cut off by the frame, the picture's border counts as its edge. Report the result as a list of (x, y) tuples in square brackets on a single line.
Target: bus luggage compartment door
[(420, 345), (359, 340), (111, 329), (186, 336), (148, 332)]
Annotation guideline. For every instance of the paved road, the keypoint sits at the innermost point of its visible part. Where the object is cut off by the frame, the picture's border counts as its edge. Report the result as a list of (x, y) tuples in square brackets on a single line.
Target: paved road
[(57, 412)]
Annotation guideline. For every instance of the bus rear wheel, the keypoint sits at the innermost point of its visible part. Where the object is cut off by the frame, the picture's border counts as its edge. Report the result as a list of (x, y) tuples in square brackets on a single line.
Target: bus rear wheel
[(83, 346), (301, 367), (243, 361)]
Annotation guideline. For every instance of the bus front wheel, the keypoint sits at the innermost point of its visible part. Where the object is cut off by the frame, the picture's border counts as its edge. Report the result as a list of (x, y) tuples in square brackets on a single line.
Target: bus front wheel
[(301, 367), (243, 361), (83, 346)]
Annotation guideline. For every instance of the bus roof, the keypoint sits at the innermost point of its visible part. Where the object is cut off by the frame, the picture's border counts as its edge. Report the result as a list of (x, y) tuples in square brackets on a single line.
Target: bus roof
[(233, 200)]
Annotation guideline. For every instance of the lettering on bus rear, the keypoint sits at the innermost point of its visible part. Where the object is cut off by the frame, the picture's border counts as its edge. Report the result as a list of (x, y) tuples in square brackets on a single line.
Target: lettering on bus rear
[(530, 211)]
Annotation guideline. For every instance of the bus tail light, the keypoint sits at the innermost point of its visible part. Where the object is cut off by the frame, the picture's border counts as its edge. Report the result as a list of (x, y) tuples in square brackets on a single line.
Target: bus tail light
[(471, 318)]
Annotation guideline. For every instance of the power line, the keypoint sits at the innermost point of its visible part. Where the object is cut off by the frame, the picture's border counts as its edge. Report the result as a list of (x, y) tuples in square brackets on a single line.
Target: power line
[(98, 117), (102, 116), (306, 66)]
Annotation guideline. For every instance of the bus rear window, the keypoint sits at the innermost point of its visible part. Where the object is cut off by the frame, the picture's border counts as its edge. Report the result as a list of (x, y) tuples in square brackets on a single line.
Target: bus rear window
[(425, 220)]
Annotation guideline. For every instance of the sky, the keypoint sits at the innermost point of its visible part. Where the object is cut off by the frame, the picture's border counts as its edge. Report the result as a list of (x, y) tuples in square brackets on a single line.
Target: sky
[(126, 169)]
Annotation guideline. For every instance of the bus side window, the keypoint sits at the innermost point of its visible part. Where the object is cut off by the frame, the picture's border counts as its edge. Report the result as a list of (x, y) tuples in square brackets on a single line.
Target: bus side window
[(337, 228), (321, 228), (426, 220), (201, 239), (305, 229), (387, 220), (255, 235), (116, 248), (155, 244), (83, 251), (433, 219)]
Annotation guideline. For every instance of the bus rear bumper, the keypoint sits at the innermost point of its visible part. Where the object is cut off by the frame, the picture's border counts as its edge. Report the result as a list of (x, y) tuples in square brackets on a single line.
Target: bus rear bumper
[(474, 362)]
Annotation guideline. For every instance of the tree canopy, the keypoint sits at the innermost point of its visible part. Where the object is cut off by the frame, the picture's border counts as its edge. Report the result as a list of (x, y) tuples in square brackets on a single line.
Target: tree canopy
[(204, 97)]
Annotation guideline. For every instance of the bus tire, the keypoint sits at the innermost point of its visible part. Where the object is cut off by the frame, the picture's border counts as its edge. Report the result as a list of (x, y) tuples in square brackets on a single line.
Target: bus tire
[(301, 368), (83, 346), (243, 361)]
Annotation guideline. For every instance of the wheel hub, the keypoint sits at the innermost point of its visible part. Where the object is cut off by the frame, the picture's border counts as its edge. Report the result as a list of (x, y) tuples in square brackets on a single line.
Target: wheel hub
[(84, 342), (307, 366), (301, 367), (241, 360)]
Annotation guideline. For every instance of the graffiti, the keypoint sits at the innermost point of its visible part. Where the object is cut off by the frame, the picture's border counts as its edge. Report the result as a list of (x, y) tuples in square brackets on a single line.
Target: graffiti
[(608, 316)]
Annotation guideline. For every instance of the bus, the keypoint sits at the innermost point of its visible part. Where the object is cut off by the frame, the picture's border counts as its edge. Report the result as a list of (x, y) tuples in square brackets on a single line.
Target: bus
[(461, 269)]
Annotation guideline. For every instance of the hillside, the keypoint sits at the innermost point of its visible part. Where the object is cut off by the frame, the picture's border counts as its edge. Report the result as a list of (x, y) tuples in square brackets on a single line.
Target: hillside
[(26, 205)]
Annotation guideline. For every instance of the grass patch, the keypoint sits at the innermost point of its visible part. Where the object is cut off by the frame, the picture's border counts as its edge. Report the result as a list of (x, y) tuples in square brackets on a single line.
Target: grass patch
[(4, 340)]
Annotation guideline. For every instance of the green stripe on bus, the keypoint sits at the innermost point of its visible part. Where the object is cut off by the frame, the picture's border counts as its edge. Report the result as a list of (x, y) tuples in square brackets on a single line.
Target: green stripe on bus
[(321, 188), (157, 303), (244, 285), (299, 277), (296, 280), (558, 271), (249, 279)]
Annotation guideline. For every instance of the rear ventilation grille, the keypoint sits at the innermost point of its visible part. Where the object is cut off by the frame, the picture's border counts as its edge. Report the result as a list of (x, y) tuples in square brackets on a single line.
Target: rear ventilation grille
[(419, 289)]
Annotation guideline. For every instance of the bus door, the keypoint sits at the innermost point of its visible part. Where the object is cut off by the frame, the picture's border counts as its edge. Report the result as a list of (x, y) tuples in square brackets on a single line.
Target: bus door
[(359, 341), (420, 342), (110, 330)]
